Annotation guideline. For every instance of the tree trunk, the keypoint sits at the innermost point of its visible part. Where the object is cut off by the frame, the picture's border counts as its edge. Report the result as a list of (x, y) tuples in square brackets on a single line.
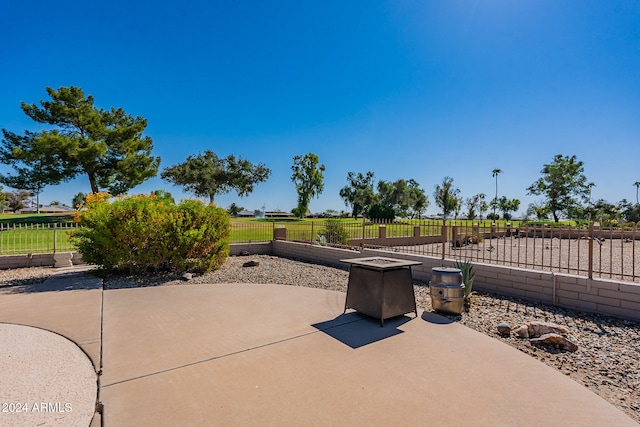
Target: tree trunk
[(93, 184)]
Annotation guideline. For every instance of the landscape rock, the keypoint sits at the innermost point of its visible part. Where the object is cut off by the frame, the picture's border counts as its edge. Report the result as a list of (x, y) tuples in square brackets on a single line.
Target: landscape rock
[(504, 329), (251, 264), (537, 329), (187, 276), (557, 341)]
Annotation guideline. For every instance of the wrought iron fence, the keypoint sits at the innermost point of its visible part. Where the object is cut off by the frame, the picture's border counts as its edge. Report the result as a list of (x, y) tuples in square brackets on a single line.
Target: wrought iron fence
[(591, 250), (36, 238)]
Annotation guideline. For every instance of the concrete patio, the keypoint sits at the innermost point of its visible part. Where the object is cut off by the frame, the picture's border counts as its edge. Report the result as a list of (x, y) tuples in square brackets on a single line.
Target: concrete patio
[(239, 354)]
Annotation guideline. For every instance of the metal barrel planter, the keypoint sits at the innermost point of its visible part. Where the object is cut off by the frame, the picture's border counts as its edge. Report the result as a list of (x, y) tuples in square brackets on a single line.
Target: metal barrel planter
[(447, 290)]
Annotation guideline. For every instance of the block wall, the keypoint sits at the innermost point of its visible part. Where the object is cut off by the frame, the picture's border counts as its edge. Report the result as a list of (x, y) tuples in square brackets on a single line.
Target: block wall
[(33, 260), (610, 297)]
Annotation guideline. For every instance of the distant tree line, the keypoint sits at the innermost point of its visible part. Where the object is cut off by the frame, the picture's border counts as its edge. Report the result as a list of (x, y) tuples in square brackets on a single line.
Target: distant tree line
[(108, 148)]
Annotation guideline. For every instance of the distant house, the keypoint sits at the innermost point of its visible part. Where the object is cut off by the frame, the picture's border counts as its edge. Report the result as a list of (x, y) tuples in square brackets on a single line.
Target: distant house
[(246, 214), (48, 209), (278, 214)]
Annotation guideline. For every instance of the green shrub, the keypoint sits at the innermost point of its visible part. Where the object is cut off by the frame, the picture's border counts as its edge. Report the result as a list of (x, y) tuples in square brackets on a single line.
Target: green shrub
[(144, 233), (335, 233)]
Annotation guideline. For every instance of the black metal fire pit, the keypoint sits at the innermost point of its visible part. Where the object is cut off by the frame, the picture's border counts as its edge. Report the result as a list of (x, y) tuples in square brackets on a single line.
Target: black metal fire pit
[(380, 287)]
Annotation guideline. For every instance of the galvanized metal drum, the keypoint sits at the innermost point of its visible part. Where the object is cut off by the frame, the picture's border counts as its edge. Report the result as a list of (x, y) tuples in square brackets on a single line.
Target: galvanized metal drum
[(446, 290)]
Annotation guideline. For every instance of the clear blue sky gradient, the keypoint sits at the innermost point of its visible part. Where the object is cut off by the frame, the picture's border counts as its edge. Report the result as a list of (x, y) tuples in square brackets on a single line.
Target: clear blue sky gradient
[(407, 89)]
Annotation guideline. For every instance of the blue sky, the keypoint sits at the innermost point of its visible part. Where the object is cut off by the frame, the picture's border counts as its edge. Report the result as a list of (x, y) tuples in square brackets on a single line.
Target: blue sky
[(406, 89)]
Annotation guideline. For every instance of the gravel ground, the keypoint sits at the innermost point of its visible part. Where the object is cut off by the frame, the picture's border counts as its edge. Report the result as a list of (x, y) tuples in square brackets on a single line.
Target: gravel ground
[(25, 276), (607, 361)]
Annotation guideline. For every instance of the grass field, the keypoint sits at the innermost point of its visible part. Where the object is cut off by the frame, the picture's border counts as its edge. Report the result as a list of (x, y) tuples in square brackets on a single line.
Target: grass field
[(35, 238), (35, 218), (34, 233)]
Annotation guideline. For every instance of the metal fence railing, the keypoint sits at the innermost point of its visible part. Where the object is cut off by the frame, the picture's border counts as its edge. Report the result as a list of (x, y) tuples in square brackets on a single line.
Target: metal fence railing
[(36, 238), (591, 250)]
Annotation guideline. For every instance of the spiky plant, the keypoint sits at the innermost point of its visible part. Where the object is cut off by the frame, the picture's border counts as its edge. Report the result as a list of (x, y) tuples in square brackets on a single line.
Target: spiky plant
[(468, 275)]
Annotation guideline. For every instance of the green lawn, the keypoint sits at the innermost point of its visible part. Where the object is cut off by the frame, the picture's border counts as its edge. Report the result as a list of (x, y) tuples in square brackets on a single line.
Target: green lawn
[(33, 233), (36, 238), (35, 218)]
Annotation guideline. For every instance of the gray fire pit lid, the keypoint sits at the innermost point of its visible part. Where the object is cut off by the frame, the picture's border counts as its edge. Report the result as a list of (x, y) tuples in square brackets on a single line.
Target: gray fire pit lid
[(380, 263)]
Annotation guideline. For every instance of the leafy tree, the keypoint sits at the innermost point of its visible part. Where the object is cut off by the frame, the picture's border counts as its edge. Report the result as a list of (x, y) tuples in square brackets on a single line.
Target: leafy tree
[(419, 202), (164, 196), (507, 206), (473, 203), (17, 200), (483, 208), (381, 211), (207, 175), (106, 145), (78, 200), (563, 183), (358, 193), (37, 164), (308, 178), (446, 196), (604, 211), (458, 207), (234, 209), (540, 210), (405, 198), (630, 212)]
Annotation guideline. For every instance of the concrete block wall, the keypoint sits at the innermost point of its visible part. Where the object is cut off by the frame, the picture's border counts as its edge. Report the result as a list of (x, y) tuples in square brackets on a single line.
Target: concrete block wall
[(33, 260), (261, 248), (313, 253), (610, 297)]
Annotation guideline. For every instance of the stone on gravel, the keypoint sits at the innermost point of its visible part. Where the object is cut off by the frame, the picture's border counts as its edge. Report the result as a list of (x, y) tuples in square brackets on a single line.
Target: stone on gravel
[(556, 340), (504, 329), (187, 276), (536, 329), (251, 264)]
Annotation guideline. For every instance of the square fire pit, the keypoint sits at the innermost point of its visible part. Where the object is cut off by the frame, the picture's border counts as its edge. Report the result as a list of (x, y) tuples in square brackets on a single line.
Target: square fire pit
[(380, 287)]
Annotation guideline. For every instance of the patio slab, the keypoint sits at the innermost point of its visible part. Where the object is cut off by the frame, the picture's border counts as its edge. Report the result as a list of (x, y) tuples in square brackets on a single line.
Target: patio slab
[(285, 355)]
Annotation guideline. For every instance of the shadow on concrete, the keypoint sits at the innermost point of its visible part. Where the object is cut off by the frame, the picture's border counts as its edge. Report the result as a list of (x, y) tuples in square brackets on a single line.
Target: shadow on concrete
[(72, 281), (436, 319), (357, 330)]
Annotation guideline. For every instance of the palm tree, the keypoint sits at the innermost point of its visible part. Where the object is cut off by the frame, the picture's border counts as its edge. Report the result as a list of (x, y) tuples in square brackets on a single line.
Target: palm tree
[(495, 173), (590, 185), (637, 184)]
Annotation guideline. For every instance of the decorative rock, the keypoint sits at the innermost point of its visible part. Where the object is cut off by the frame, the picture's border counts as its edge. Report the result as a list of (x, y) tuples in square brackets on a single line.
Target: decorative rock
[(251, 264), (556, 340), (504, 329), (187, 276), (537, 329)]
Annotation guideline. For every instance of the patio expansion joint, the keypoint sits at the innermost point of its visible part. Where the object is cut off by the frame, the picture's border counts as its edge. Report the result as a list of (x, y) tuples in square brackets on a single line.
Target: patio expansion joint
[(222, 356)]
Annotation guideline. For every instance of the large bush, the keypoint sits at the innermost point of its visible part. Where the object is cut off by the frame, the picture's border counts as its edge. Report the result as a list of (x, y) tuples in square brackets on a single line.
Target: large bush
[(144, 233)]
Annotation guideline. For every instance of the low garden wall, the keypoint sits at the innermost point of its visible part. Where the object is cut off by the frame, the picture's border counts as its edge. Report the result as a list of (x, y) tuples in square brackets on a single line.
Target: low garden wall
[(616, 298), (34, 260)]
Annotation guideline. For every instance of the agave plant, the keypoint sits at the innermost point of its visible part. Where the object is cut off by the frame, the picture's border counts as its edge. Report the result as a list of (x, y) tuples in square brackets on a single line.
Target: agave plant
[(467, 278)]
